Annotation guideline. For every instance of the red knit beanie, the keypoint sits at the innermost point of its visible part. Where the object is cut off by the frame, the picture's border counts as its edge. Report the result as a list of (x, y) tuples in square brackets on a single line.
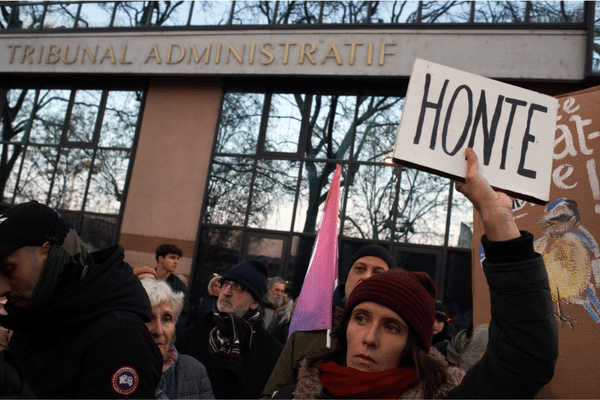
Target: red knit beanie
[(411, 295)]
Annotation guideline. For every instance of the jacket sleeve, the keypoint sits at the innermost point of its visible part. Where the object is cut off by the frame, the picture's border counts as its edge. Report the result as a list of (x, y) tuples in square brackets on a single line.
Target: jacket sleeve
[(523, 337), (125, 363)]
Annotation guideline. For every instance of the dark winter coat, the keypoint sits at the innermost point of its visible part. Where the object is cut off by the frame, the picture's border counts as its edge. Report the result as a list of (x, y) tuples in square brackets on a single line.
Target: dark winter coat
[(258, 360), (89, 339), (523, 336), (186, 379), (12, 384)]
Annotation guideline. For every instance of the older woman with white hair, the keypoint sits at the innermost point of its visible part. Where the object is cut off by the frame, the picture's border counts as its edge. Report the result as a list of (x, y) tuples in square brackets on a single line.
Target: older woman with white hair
[(183, 377)]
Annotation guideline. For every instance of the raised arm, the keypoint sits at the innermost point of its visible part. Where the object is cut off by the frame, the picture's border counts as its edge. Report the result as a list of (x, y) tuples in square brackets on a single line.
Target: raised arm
[(495, 208), (523, 338)]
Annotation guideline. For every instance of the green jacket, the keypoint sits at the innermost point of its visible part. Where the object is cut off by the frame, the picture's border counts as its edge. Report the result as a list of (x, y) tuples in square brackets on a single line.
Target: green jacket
[(298, 345)]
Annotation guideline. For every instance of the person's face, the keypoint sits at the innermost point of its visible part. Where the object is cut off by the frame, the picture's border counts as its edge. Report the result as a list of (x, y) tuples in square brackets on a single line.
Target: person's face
[(162, 326), (287, 297), (169, 262), (20, 272), (277, 290), (363, 268), (376, 336), (215, 288), (235, 300), (437, 326)]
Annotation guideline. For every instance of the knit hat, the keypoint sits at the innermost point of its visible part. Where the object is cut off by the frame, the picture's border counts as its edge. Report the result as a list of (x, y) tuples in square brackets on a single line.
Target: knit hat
[(374, 250), (441, 312), (411, 295), (26, 224), (251, 275)]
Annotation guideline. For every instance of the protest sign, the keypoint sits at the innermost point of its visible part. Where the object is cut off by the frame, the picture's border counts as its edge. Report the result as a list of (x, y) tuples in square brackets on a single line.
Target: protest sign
[(567, 235), (511, 129)]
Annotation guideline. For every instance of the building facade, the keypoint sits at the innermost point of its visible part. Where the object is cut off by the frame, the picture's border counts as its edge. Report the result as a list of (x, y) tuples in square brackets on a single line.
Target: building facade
[(217, 126)]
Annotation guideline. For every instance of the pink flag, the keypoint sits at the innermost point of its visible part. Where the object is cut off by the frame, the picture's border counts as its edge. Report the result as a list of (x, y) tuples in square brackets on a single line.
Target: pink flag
[(314, 307)]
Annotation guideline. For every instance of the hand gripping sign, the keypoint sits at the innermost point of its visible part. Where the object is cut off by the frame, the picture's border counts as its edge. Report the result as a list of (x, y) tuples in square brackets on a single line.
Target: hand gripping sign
[(511, 129)]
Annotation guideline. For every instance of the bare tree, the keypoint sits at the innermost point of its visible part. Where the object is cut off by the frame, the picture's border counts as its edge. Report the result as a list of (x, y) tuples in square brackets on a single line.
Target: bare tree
[(336, 125), (298, 12)]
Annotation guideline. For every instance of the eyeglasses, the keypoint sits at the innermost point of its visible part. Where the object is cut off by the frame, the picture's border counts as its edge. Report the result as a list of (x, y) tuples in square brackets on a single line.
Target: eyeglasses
[(234, 286)]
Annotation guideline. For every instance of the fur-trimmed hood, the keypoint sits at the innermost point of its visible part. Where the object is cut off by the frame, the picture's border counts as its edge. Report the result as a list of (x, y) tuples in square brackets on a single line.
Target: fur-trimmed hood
[(309, 383)]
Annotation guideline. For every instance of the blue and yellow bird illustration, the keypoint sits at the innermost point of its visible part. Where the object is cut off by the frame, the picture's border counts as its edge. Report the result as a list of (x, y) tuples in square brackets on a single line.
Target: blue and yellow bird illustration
[(571, 255)]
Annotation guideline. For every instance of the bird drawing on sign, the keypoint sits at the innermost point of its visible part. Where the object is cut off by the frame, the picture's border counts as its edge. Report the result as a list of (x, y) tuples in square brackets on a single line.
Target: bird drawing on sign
[(571, 255)]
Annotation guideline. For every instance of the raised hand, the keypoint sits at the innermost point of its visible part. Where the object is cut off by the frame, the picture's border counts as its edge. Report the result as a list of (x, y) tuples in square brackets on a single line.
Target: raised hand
[(495, 208)]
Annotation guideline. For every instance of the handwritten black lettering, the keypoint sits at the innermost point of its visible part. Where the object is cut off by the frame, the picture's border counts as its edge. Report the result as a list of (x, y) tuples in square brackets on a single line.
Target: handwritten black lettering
[(527, 138), (463, 136), (438, 110), (515, 103), (489, 132)]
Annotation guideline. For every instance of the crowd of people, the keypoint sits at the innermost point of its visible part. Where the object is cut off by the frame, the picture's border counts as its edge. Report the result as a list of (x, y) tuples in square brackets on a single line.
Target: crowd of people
[(87, 325)]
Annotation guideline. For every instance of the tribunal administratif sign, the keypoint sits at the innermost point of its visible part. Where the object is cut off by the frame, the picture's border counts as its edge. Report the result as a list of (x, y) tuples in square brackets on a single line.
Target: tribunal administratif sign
[(511, 129), (293, 52)]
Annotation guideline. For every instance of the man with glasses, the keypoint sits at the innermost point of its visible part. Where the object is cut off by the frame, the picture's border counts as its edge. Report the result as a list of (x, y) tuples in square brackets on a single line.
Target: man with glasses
[(237, 352)]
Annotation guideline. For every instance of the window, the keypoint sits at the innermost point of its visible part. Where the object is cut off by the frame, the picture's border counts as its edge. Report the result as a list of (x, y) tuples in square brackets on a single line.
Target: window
[(275, 154), (148, 14), (70, 149)]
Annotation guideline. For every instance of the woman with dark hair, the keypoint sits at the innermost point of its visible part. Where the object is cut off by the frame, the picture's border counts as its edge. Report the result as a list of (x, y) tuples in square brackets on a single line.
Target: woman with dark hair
[(383, 347)]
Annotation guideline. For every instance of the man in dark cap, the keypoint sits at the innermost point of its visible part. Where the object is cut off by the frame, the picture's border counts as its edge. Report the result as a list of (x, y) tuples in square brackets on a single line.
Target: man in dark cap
[(368, 261), (78, 318), (237, 352)]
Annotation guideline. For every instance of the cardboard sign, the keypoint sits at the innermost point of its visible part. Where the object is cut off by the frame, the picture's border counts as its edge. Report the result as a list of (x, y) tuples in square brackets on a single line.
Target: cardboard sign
[(567, 235), (511, 129)]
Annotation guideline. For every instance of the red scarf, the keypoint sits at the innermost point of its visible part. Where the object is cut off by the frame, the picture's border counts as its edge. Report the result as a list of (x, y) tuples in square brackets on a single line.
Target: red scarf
[(346, 382)]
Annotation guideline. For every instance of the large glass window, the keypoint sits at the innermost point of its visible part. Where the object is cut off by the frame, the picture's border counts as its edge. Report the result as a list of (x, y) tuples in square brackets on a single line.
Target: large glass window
[(69, 149), (275, 155), (143, 14)]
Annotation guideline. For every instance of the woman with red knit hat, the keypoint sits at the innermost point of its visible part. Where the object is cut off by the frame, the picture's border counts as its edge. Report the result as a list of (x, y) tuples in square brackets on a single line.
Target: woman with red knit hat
[(384, 342)]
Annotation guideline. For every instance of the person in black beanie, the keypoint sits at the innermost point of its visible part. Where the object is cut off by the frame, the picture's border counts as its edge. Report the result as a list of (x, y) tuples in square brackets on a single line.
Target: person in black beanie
[(237, 352), (370, 260), (443, 328), (78, 318)]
